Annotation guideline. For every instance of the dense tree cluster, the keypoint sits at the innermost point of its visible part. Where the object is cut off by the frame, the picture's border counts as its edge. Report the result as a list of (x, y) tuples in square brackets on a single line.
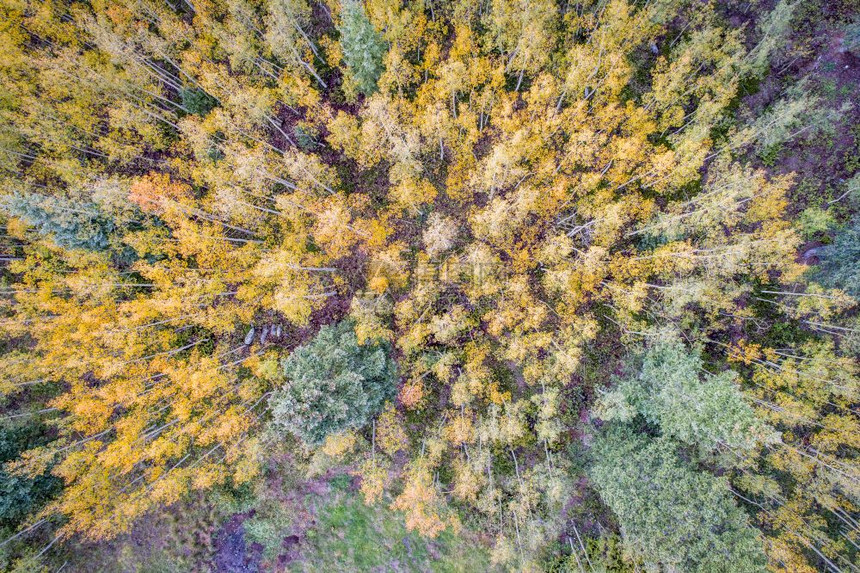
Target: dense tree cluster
[(516, 250)]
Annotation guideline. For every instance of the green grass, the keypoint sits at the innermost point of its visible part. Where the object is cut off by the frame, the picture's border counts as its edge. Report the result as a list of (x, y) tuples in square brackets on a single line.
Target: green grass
[(351, 536)]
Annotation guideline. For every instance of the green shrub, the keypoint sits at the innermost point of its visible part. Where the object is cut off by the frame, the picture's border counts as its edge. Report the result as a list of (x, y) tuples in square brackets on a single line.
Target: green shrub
[(306, 137), (271, 523), (851, 40), (814, 221), (197, 101)]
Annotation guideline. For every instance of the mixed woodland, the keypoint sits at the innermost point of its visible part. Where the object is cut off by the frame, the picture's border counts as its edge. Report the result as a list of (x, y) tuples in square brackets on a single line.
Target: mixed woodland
[(425, 285)]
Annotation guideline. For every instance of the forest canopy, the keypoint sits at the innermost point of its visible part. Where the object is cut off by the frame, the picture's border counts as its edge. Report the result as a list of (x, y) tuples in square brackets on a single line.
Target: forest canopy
[(536, 269)]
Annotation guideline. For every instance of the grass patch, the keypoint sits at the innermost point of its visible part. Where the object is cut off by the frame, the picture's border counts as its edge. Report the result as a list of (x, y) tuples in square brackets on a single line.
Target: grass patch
[(351, 536)]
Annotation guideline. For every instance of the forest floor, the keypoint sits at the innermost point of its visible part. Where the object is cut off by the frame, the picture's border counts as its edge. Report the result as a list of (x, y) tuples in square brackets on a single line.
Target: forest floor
[(314, 525), (822, 159)]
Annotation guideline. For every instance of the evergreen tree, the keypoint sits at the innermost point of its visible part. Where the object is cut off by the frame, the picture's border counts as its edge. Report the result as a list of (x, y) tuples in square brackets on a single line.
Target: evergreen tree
[(21, 495), (333, 384), (363, 48), (840, 261), (673, 393), (671, 514), (72, 224), (197, 101)]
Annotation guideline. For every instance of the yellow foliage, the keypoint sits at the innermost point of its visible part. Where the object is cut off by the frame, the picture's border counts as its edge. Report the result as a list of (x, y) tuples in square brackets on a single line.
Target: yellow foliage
[(420, 502), (374, 477), (412, 394), (389, 432), (338, 445)]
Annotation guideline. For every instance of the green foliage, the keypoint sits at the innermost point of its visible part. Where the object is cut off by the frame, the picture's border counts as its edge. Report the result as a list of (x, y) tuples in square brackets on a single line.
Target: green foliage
[(306, 137), (800, 112), (363, 48), (851, 41), (28, 564), (197, 101), (852, 186), (770, 155), (19, 496), (341, 482), (333, 384), (840, 261), (605, 555), (72, 224), (672, 392), (670, 513), (608, 552), (268, 527), (814, 221)]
